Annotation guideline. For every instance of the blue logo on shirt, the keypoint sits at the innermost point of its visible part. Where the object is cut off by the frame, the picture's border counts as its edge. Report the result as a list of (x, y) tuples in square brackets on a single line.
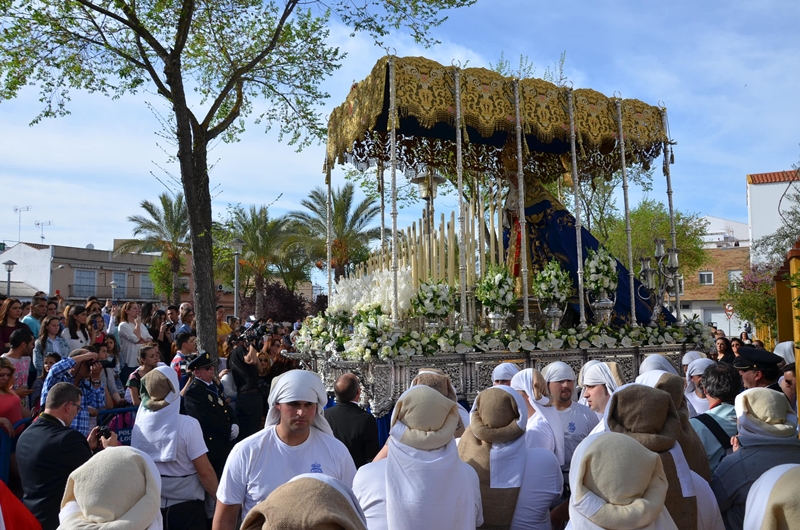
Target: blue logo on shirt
[(571, 427), (316, 468)]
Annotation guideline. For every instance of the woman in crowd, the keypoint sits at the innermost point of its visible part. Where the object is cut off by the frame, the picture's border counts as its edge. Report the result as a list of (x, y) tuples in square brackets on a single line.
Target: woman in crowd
[(49, 341), (223, 330), (50, 359), (112, 347), (745, 338), (11, 410), (724, 351), (187, 321), (159, 329), (10, 321), (97, 328), (76, 333), (132, 334), (148, 360)]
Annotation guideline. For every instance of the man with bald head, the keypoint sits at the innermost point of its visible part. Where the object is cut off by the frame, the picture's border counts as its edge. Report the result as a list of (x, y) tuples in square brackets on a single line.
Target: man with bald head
[(352, 425)]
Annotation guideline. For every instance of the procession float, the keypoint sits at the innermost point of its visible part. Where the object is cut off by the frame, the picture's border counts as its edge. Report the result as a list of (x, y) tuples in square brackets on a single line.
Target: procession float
[(513, 276)]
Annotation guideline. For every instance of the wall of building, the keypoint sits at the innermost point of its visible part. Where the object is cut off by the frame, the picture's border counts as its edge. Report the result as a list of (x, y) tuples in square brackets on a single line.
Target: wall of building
[(762, 208), (32, 265)]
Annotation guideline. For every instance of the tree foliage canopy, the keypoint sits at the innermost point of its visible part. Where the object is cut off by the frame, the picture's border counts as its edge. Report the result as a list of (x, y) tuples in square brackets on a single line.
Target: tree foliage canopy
[(753, 296)]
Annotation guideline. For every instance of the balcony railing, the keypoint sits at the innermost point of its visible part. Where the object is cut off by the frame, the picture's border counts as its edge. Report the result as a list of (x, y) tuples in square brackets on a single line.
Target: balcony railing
[(105, 291)]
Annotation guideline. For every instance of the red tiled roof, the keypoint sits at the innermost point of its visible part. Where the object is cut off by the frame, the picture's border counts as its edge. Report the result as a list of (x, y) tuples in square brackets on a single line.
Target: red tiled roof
[(775, 176), (37, 246)]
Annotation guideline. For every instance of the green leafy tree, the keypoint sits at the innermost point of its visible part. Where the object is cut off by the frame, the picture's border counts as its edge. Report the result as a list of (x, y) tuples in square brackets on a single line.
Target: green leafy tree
[(294, 262), (650, 220), (165, 230), (161, 275), (350, 225), (753, 296), (232, 54)]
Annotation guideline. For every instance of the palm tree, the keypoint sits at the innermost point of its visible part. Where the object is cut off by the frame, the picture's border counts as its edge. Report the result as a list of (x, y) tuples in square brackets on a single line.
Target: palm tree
[(351, 234), (263, 243), (166, 230)]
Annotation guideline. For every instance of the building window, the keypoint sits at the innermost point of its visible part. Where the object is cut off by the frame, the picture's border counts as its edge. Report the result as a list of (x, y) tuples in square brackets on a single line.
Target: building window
[(706, 278), (146, 286), (85, 283), (121, 279), (734, 276)]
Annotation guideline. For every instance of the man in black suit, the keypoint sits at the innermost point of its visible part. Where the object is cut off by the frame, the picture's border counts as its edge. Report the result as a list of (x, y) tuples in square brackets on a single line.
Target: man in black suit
[(205, 402), (49, 450), (352, 425)]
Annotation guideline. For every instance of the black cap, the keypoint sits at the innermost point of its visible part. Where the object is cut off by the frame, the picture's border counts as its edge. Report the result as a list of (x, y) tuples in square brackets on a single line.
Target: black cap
[(754, 359), (201, 361)]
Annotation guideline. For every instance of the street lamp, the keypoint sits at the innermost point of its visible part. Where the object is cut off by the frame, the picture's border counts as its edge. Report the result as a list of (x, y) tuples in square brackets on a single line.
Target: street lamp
[(427, 183), (9, 267), (660, 278), (236, 245), (113, 285)]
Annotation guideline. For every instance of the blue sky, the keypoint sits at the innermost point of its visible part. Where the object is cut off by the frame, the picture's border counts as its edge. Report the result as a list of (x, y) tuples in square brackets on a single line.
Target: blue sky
[(727, 71)]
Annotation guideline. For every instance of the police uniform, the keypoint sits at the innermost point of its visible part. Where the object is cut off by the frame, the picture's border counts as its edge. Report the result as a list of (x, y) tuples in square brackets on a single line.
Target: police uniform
[(206, 403), (750, 358)]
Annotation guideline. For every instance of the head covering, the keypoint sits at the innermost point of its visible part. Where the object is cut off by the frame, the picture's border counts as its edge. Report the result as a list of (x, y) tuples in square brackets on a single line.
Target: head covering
[(504, 372), (581, 386), (494, 445), (697, 367), (600, 374), (656, 361), (558, 371), (689, 441), (423, 463), (308, 501), (786, 351), (441, 382), (764, 414), (773, 503), (752, 359), (691, 356), (605, 498), (96, 499), (155, 429), (648, 416), (298, 385), (533, 384)]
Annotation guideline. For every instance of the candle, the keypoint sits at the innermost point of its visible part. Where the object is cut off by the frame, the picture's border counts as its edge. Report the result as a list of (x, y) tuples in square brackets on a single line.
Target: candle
[(442, 268), (492, 256), (481, 242), (451, 250), (501, 251)]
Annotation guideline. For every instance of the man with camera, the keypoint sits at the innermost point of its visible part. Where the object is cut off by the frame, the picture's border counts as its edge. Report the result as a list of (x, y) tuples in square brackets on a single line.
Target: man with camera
[(82, 370)]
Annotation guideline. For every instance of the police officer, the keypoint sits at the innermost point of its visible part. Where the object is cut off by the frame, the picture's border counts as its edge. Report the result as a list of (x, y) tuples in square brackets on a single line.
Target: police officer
[(204, 401), (758, 368)]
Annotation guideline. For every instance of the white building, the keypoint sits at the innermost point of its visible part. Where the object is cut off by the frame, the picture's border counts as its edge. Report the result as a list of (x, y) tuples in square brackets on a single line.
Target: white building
[(766, 198), (724, 233)]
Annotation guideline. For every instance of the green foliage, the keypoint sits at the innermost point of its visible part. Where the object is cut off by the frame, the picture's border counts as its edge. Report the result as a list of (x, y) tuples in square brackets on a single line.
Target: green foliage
[(650, 220), (753, 297), (161, 275)]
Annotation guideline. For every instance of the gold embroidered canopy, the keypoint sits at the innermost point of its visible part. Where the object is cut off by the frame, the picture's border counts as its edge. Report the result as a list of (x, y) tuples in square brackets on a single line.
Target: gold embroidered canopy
[(425, 99)]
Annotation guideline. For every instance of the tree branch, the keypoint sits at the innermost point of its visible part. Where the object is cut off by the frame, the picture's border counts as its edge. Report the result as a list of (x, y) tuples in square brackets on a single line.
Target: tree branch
[(184, 24), (148, 66), (232, 115), (131, 22)]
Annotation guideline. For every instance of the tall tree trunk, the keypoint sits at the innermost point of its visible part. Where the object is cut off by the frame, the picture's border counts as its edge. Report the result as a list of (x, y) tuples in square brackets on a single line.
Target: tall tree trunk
[(259, 280), (175, 266), (193, 158)]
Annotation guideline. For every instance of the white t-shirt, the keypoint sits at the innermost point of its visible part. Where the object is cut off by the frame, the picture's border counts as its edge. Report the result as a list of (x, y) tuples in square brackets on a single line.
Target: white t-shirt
[(700, 405), (129, 343), (75, 344), (578, 421), (262, 462), (542, 483), (192, 445), (538, 433)]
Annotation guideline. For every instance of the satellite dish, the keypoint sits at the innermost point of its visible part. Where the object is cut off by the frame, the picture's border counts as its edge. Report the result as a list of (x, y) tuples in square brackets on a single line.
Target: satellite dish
[(90, 246)]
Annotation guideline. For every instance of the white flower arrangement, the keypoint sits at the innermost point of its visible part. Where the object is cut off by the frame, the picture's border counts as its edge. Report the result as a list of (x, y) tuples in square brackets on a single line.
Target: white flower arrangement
[(552, 284), (433, 300), (600, 271), (495, 290)]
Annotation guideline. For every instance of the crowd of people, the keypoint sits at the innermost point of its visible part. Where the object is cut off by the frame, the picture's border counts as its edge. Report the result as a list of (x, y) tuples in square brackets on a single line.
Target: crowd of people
[(250, 442)]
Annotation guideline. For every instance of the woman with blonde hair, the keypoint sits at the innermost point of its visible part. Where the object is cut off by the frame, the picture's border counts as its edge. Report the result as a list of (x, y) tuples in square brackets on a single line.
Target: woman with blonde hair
[(132, 335)]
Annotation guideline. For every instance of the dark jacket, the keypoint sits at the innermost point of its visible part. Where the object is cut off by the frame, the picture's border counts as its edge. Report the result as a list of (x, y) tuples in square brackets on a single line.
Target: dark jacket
[(357, 429), (47, 452), (206, 404)]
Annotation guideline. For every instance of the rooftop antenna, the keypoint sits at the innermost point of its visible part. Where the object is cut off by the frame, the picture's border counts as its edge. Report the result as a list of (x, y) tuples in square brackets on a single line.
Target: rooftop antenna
[(18, 210), (42, 224)]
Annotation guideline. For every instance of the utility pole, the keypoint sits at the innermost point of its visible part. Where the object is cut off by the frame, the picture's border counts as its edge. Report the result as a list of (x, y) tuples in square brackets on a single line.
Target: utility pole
[(18, 210), (42, 224)]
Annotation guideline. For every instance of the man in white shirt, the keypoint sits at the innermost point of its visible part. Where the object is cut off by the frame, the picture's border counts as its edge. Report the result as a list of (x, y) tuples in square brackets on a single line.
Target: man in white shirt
[(295, 440), (599, 384)]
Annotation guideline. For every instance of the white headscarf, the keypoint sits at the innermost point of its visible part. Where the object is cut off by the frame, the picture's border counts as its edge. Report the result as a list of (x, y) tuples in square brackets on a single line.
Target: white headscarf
[(600, 374), (422, 463), (690, 356), (524, 381), (635, 498), (766, 511), (558, 371), (785, 350), (298, 385), (657, 362), (764, 414), (504, 372), (156, 427), (697, 367), (580, 384)]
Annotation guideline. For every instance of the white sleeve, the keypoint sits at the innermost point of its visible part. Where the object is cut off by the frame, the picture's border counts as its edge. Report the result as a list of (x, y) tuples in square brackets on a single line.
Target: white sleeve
[(145, 334), (233, 482), (708, 514), (125, 331), (193, 438)]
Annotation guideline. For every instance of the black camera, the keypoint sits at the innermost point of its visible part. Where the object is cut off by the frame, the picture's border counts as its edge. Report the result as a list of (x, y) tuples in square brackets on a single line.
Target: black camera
[(171, 325), (103, 432), (105, 364)]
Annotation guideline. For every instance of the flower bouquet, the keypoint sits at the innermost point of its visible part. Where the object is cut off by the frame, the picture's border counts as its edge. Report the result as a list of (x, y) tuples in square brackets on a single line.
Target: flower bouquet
[(600, 280), (552, 287), (495, 290), (433, 301)]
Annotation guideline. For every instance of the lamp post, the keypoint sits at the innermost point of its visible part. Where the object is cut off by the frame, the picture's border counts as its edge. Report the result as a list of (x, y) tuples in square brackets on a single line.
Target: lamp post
[(427, 183), (660, 279), (236, 245), (50, 286), (113, 285), (9, 267)]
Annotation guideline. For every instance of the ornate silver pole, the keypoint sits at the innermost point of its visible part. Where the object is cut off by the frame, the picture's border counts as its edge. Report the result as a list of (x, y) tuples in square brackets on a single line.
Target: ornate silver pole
[(523, 231), (672, 233), (393, 150), (631, 277), (577, 192), (462, 258), (329, 233), (382, 189)]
